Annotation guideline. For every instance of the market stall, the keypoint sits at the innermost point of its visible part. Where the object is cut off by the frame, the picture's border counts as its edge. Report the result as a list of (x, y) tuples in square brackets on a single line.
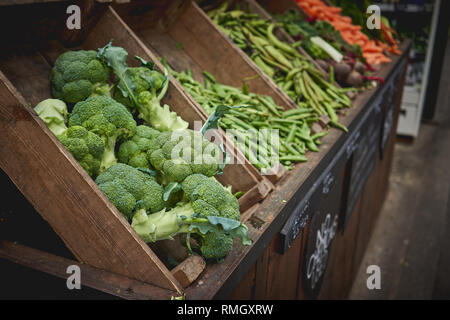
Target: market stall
[(331, 184)]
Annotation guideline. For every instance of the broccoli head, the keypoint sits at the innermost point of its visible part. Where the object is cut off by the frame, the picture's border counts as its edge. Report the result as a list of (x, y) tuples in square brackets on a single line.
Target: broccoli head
[(209, 212), (181, 153), (78, 75), (108, 119), (54, 114), (134, 151), (131, 190), (144, 79), (86, 147)]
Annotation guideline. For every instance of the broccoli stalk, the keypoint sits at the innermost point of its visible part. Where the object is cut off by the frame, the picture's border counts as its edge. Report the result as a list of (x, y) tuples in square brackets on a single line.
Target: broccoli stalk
[(109, 156), (209, 212), (165, 225), (150, 110)]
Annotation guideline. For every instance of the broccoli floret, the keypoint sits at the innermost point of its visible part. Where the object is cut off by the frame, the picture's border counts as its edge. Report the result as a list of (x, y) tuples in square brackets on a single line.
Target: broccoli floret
[(144, 79), (212, 220), (108, 119), (54, 114), (206, 192), (86, 147), (131, 190), (141, 88), (134, 151), (181, 153), (77, 75)]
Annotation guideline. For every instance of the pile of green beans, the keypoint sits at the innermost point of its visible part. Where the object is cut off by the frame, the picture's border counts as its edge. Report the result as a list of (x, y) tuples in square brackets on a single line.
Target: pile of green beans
[(258, 112), (281, 61)]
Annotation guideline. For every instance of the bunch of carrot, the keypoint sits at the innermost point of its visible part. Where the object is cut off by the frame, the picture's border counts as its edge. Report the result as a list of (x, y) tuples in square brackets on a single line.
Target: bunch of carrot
[(372, 50)]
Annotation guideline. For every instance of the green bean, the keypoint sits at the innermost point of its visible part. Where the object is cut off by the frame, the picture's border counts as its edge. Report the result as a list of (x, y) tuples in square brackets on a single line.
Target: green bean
[(291, 134), (278, 43), (319, 135), (294, 158), (267, 69), (296, 111)]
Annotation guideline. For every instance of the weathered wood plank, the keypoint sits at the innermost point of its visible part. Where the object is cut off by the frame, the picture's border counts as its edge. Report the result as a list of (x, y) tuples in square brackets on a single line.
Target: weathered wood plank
[(102, 280), (189, 270)]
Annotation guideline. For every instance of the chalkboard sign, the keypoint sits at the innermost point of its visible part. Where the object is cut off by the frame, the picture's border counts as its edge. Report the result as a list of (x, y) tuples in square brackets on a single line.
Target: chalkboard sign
[(313, 199), (362, 153), (323, 227)]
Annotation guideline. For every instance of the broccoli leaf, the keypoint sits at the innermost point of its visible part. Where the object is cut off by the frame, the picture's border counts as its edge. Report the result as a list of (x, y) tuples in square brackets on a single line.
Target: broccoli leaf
[(234, 228), (171, 188), (212, 123), (148, 171), (116, 59), (144, 63)]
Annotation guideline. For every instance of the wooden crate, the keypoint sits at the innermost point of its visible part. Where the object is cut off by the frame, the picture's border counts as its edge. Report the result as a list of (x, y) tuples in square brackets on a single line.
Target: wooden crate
[(254, 7), (199, 46), (205, 47), (45, 172)]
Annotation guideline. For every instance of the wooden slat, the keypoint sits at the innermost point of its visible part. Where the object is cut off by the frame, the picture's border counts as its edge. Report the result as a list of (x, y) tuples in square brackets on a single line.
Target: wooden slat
[(244, 291), (212, 50), (102, 280), (21, 2), (283, 271)]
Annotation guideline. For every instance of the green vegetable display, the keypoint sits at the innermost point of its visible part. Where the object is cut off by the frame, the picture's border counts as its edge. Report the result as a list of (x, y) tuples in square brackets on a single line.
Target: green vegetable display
[(259, 112), (164, 183), (78, 75), (300, 29), (291, 71)]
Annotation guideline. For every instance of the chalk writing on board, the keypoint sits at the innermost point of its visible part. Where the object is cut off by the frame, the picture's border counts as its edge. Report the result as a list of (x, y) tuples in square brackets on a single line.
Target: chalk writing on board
[(327, 183), (300, 221), (318, 261)]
